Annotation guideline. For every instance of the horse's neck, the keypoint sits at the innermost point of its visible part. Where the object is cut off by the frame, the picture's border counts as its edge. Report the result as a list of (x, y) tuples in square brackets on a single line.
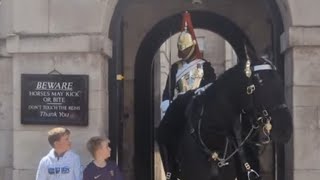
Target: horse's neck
[(227, 90)]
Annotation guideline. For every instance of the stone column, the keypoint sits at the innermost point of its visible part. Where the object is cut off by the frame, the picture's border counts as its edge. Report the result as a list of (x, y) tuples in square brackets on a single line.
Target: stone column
[(30, 141), (40, 36), (302, 80), (6, 108)]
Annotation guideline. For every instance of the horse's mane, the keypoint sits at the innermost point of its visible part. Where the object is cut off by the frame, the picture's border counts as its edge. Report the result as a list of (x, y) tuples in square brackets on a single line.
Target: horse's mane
[(222, 100), (228, 81)]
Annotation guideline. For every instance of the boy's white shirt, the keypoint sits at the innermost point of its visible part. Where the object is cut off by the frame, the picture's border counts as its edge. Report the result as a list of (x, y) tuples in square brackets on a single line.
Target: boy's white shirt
[(50, 163)]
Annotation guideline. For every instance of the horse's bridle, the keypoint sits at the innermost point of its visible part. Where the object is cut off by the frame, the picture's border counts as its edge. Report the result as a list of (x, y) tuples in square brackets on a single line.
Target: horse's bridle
[(263, 119), (261, 114)]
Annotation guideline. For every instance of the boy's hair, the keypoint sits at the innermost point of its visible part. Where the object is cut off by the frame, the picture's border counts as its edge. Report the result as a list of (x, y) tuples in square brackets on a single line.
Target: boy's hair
[(56, 133), (94, 144)]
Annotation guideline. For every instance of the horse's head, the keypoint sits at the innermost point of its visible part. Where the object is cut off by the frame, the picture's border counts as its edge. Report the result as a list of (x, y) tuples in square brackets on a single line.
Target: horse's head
[(264, 100)]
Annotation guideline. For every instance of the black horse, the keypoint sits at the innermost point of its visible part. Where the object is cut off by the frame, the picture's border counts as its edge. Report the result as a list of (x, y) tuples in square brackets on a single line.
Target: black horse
[(202, 137)]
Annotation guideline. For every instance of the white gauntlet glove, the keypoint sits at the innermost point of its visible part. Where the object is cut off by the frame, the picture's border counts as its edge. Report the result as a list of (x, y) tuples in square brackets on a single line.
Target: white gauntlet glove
[(164, 106)]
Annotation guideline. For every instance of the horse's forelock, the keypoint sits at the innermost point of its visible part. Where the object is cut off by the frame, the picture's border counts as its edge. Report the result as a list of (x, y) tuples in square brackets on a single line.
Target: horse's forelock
[(271, 96), (234, 75), (271, 90)]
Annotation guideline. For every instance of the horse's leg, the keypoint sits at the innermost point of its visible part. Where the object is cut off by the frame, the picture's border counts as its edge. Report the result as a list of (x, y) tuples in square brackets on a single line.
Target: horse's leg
[(246, 169), (167, 135), (164, 157), (168, 156), (252, 152), (240, 156), (173, 164), (241, 175)]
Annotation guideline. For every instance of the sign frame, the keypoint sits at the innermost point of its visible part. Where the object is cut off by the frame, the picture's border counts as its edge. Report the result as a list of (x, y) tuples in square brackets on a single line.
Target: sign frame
[(54, 99)]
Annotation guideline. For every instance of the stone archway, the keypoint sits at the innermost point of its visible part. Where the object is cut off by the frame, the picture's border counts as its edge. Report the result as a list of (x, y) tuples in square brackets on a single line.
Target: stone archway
[(258, 24), (144, 70)]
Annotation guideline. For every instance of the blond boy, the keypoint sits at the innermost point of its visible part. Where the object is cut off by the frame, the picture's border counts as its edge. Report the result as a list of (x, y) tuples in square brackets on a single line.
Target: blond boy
[(101, 168), (60, 163)]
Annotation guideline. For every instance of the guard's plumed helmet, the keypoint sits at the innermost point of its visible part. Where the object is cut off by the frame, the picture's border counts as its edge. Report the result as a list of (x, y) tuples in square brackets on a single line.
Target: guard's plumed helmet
[(185, 40), (187, 43)]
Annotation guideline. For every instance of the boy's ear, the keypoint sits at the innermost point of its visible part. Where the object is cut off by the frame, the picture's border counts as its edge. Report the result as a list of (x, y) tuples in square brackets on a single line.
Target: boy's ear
[(55, 144)]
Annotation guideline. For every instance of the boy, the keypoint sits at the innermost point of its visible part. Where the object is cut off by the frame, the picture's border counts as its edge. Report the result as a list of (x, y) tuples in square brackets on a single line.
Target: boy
[(101, 168), (60, 163)]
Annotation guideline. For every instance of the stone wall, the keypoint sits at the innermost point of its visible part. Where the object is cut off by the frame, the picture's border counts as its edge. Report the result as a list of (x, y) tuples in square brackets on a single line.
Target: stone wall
[(303, 84), (39, 36), (6, 124), (300, 44), (33, 138)]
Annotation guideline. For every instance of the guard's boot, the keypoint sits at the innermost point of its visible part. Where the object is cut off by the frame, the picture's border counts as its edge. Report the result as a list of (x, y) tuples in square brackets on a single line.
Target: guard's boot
[(172, 176), (174, 171)]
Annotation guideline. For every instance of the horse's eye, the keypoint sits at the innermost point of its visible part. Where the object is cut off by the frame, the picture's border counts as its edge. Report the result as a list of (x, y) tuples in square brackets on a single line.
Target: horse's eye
[(260, 81)]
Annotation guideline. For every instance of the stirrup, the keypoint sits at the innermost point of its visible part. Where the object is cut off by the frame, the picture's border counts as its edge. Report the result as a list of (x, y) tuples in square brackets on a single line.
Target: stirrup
[(254, 172)]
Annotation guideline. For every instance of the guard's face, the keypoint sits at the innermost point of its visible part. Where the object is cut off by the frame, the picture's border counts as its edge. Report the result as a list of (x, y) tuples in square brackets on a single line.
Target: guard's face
[(186, 53), (64, 143)]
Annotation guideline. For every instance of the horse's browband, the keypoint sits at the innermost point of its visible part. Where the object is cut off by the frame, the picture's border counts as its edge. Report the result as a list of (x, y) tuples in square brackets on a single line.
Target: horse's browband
[(262, 67)]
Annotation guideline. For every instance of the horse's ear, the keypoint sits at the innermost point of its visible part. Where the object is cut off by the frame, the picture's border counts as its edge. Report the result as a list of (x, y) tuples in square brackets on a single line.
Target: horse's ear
[(281, 126)]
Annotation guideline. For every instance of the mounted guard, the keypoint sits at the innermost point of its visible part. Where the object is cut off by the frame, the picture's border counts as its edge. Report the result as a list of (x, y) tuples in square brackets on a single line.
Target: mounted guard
[(189, 73)]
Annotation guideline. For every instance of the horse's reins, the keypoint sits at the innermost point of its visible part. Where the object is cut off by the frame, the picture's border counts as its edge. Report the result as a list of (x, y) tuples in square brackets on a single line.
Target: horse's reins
[(214, 155)]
